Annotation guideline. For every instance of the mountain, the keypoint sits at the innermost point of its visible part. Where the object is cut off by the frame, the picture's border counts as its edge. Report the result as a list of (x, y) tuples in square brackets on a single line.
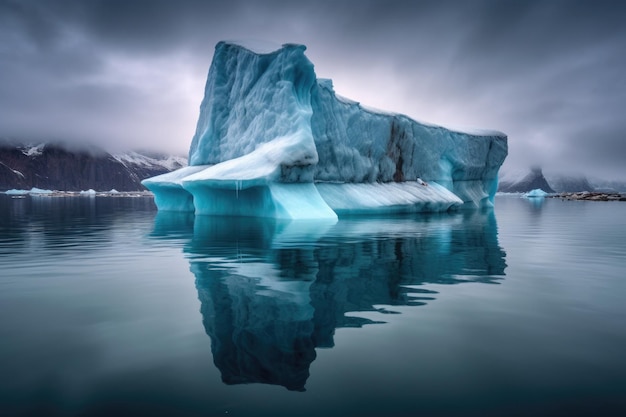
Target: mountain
[(520, 182), (569, 183), (56, 166), (551, 182), (611, 186)]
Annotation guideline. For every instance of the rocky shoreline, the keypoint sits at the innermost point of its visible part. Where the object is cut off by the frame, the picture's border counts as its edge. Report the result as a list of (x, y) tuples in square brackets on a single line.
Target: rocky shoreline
[(590, 196)]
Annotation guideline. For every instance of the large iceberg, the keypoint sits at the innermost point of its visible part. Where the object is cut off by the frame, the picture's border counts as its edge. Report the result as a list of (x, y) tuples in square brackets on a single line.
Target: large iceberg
[(272, 140)]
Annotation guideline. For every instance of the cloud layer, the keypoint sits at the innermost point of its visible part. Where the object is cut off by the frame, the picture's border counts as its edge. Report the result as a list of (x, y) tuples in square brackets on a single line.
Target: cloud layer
[(552, 75)]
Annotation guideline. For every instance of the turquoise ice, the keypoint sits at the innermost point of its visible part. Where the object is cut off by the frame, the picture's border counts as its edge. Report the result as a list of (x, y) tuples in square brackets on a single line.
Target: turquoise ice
[(273, 140)]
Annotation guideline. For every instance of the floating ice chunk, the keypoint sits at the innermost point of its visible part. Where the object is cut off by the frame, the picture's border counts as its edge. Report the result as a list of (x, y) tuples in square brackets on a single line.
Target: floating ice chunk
[(39, 191), (536, 193), (33, 191), (13, 191), (88, 193)]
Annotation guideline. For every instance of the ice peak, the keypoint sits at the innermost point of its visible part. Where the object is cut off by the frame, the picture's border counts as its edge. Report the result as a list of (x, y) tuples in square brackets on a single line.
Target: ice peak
[(260, 47)]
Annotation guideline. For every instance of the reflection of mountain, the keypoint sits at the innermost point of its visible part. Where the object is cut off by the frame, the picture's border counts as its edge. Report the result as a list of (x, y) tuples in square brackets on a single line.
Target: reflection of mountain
[(272, 292)]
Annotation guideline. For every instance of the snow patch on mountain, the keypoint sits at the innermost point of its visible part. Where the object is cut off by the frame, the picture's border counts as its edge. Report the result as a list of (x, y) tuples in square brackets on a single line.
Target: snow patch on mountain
[(168, 162), (33, 150)]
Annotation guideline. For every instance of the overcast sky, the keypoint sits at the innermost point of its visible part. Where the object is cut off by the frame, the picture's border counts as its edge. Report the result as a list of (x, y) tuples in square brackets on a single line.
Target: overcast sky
[(130, 74)]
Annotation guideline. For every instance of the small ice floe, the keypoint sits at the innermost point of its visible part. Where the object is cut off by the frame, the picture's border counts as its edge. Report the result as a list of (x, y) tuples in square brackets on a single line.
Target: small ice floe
[(32, 191), (14, 192), (88, 193), (536, 193)]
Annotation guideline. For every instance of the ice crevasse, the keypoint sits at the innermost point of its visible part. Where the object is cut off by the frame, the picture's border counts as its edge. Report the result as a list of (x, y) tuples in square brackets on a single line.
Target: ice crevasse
[(272, 140)]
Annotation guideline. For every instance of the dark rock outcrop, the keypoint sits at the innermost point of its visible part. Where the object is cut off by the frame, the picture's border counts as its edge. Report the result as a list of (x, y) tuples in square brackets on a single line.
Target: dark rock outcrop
[(593, 196)]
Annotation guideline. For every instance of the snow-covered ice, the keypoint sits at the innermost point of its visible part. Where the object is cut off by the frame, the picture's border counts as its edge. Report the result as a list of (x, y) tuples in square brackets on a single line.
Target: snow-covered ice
[(274, 141)]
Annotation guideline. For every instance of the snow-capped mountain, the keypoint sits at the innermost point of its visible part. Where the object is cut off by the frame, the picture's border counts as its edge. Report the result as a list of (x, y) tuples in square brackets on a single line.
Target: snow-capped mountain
[(69, 168), (151, 160)]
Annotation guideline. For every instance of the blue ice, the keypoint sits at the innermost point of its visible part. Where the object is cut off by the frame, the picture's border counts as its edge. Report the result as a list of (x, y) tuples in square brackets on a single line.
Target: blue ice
[(273, 140)]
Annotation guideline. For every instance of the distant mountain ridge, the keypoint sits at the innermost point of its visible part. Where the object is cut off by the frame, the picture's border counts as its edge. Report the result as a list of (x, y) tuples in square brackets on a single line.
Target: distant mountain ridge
[(56, 166), (534, 178), (521, 183), (570, 184)]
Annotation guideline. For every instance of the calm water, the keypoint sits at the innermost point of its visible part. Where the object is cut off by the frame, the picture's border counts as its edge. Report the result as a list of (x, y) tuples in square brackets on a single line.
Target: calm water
[(108, 308)]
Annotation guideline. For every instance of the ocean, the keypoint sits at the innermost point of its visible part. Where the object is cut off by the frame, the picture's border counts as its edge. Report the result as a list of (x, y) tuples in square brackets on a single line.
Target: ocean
[(108, 307)]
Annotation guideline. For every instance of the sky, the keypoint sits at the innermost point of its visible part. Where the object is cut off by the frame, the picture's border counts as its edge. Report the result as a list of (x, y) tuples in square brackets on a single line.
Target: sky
[(130, 74)]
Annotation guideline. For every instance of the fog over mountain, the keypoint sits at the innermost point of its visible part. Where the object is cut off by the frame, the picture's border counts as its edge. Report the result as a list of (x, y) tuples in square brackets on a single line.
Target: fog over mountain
[(524, 180)]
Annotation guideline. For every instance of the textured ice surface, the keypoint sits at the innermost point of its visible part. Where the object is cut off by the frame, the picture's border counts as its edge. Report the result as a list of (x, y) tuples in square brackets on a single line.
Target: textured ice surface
[(410, 196), (274, 141)]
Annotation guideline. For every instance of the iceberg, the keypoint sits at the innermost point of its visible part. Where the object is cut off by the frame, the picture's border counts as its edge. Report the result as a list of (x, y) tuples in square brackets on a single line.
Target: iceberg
[(536, 193), (273, 140), (89, 193), (14, 191)]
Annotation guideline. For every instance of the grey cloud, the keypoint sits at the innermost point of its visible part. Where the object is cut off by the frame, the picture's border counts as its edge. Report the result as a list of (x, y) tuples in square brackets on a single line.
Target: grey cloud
[(24, 19), (598, 148), (548, 73)]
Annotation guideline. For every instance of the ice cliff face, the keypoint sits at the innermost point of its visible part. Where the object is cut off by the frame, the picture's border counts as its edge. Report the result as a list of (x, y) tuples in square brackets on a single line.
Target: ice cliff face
[(274, 141)]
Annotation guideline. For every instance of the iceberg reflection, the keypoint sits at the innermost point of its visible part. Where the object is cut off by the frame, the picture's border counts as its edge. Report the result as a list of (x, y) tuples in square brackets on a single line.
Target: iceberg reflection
[(272, 291)]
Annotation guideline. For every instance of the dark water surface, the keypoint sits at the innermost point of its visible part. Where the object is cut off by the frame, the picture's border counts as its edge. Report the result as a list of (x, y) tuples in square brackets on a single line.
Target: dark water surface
[(110, 308)]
